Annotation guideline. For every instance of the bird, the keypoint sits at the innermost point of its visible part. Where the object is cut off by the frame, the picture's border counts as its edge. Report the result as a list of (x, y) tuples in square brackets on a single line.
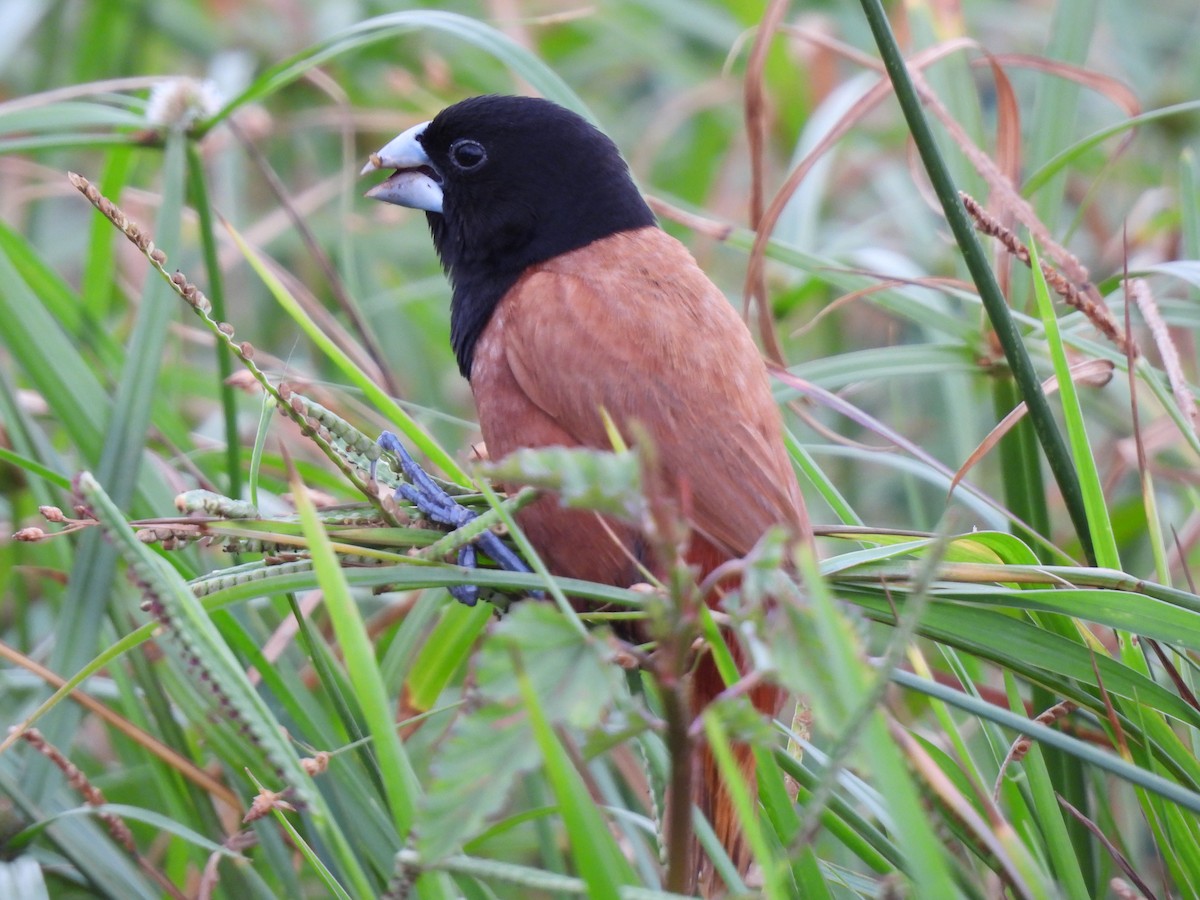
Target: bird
[(572, 309)]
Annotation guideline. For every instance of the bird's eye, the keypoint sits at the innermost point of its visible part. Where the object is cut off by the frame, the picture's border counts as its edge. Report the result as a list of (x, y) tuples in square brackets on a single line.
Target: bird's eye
[(467, 154)]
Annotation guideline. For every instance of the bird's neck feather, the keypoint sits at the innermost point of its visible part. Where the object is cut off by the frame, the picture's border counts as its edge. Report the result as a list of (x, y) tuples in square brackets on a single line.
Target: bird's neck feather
[(482, 271)]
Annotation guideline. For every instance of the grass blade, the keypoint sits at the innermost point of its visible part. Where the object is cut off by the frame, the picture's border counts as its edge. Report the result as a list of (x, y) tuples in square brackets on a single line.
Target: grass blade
[(981, 272)]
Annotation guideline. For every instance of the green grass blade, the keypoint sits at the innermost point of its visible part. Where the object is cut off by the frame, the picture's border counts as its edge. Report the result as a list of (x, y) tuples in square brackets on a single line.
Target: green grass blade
[(1049, 816), (1065, 157), (203, 642), (981, 273), (1057, 105), (1103, 541), (376, 395), (198, 189), (399, 780), (522, 63), (597, 857), (124, 436)]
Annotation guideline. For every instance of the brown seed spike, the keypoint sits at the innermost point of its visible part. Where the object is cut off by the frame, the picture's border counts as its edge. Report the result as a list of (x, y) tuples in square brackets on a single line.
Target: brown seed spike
[(85, 187), (1084, 299), (317, 763), (52, 513)]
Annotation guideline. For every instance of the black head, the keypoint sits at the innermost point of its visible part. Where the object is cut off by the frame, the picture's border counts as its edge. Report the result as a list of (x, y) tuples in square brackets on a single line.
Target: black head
[(507, 182)]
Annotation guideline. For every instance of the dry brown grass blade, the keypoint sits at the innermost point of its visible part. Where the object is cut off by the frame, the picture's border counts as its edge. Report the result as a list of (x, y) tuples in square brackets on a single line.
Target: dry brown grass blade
[(1092, 372), (1104, 85), (755, 102), (998, 173), (1008, 150), (1173, 674), (1139, 291), (1110, 711), (1084, 298), (284, 635), (754, 94), (842, 407), (885, 282), (1002, 182), (822, 39), (1008, 122), (1180, 546), (506, 14), (1113, 851), (994, 833), (754, 289), (713, 228), (823, 430), (1004, 193), (181, 764)]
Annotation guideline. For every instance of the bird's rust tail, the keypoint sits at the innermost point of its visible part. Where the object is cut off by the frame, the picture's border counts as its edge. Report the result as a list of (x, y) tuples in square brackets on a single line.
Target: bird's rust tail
[(711, 792)]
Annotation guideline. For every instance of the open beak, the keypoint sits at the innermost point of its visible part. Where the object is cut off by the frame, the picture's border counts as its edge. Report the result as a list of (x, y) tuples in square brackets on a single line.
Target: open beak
[(416, 183)]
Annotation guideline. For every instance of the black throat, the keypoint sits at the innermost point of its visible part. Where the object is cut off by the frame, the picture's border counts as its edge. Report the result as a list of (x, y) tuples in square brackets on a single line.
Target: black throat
[(482, 273), (542, 181), (478, 290)]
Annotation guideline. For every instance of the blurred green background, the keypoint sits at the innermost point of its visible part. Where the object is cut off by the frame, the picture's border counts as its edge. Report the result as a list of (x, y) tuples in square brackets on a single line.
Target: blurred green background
[(101, 367)]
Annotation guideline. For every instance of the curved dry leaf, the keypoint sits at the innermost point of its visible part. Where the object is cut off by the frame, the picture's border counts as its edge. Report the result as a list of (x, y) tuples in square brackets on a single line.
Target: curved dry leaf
[(1107, 86), (885, 282), (1008, 122), (1008, 156), (840, 48), (756, 132), (754, 289), (1139, 291), (866, 421), (713, 228), (1090, 372), (754, 98)]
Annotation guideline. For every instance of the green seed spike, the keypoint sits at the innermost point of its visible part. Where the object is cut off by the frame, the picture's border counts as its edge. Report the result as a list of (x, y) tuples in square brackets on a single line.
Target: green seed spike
[(202, 642), (201, 305), (213, 504), (202, 646)]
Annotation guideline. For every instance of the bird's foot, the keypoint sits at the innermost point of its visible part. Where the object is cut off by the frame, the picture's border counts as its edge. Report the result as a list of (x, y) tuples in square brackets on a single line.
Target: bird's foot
[(435, 504)]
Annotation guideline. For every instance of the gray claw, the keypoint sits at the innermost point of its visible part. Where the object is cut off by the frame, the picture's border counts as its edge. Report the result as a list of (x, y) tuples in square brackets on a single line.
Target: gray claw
[(435, 504)]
